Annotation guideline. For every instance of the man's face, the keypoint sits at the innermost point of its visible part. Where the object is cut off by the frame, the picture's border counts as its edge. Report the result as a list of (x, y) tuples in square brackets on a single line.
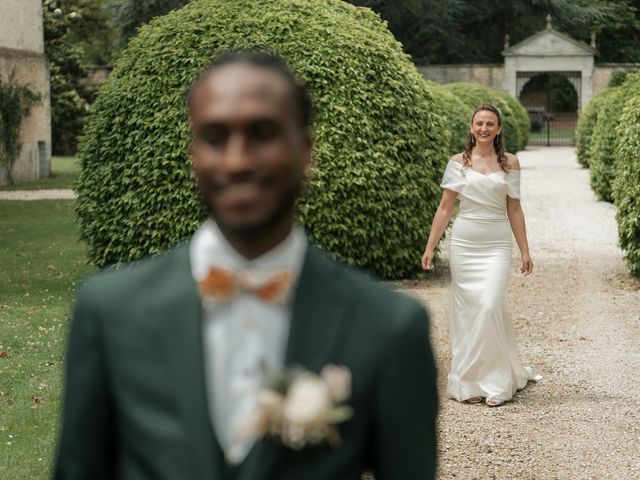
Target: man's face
[(249, 150)]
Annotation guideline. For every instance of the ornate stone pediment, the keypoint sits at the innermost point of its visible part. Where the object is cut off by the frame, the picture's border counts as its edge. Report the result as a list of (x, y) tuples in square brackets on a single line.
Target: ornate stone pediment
[(550, 43)]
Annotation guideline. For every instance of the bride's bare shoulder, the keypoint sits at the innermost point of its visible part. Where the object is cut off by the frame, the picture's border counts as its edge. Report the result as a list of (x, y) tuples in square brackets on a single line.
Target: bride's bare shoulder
[(457, 158), (513, 162)]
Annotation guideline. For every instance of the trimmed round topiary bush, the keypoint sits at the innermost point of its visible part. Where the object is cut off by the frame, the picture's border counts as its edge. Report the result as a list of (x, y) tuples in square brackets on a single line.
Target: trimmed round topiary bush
[(379, 153), (626, 186), (586, 124), (473, 95), (603, 141), (520, 116), (456, 116)]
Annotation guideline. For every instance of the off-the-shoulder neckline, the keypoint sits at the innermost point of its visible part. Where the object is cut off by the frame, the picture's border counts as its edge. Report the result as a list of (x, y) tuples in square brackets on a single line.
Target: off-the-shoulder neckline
[(484, 174)]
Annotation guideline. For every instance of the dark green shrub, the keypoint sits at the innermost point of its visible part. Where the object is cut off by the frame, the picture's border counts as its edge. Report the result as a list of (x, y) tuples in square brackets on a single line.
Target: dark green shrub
[(620, 76), (586, 124), (131, 14), (603, 141), (521, 117), (379, 154), (456, 116), (626, 186), (473, 95)]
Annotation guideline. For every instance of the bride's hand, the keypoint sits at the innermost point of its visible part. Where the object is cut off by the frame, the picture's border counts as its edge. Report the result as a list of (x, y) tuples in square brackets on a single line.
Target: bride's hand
[(527, 265), (427, 259)]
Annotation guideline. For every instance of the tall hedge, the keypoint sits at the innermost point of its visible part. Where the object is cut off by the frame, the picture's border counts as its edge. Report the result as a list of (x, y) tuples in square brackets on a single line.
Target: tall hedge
[(586, 124), (456, 116), (603, 141), (626, 186), (378, 158), (472, 95), (520, 116)]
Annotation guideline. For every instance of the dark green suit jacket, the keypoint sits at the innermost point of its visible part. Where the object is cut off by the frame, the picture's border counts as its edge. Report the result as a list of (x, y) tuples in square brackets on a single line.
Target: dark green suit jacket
[(135, 400)]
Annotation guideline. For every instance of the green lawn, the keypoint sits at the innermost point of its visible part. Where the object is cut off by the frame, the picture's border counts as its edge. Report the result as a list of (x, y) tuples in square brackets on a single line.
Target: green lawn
[(64, 170), (41, 260)]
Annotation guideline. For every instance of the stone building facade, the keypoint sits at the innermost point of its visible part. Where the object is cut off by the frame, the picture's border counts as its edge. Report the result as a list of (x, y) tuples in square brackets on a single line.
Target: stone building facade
[(22, 56)]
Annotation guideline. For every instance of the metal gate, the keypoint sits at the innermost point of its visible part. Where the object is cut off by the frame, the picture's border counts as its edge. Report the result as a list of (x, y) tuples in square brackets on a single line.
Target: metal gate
[(551, 124)]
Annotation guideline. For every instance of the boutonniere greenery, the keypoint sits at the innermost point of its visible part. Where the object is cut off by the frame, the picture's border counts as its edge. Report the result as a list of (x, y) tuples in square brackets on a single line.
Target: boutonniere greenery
[(301, 408)]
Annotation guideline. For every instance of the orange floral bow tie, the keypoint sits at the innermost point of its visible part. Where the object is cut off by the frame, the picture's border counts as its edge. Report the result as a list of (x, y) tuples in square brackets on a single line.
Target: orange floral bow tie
[(222, 285)]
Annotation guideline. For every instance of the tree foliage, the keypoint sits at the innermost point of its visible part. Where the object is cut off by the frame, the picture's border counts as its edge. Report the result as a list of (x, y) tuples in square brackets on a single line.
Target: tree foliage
[(69, 27), (129, 15), (378, 132), (435, 31)]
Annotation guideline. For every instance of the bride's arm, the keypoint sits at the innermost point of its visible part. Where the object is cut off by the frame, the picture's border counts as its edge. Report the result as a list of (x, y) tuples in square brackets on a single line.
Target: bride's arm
[(516, 219), (440, 222)]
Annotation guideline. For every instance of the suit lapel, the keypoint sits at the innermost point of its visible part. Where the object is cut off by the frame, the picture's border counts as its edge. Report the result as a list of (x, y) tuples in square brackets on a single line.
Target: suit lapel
[(182, 341), (319, 307)]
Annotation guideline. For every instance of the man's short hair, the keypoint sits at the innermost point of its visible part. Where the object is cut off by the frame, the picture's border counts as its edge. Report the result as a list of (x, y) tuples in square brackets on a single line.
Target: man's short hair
[(268, 61)]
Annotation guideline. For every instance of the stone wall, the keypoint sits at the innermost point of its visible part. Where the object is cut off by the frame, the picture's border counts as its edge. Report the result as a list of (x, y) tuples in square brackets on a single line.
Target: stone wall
[(22, 55), (488, 74), (492, 75), (603, 72)]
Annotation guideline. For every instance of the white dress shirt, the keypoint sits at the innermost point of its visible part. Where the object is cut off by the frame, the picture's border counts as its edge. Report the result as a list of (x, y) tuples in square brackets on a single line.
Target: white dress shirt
[(243, 337)]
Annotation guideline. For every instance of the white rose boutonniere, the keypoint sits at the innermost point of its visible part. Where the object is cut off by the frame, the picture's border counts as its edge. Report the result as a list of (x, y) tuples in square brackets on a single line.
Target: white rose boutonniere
[(302, 408)]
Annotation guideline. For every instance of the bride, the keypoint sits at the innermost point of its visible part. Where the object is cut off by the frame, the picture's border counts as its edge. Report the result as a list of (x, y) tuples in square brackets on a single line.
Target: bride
[(484, 356)]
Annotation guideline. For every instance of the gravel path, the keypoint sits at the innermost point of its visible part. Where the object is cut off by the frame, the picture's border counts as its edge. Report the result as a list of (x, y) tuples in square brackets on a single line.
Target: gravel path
[(53, 194), (578, 321)]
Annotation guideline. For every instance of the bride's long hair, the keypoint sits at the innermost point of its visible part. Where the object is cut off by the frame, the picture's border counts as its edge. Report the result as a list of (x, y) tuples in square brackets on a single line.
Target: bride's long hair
[(498, 141)]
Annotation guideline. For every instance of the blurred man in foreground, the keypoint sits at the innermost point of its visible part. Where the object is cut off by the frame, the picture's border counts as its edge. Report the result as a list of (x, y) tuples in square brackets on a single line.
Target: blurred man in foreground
[(246, 353)]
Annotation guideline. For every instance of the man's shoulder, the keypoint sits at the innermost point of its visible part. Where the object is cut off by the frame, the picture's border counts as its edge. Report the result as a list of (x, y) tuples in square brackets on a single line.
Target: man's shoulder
[(372, 295), (125, 280)]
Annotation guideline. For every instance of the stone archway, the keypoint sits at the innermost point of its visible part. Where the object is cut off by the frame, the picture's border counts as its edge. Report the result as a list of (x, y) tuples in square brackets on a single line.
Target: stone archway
[(552, 101), (550, 51)]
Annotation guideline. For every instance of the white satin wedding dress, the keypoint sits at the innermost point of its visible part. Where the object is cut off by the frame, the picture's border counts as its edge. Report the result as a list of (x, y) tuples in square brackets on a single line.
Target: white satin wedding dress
[(484, 352)]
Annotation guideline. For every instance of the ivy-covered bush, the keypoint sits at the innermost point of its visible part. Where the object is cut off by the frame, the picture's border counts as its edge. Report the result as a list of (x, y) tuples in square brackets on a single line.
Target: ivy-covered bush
[(473, 95), (626, 186), (379, 153), (16, 102), (603, 141), (586, 124)]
